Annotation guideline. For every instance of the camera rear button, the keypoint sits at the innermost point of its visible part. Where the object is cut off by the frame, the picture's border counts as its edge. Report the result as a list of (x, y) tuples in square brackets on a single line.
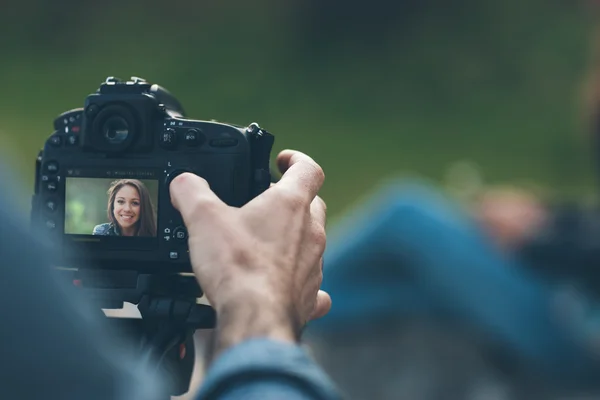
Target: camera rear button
[(173, 255), (71, 140), (193, 137), (51, 206), (50, 224), (51, 186), (168, 139), (51, 167), (55, 140), (179, 233)]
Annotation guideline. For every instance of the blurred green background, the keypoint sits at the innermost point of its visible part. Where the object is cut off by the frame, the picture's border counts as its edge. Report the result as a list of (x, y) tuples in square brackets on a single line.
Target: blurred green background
[(369, 89), (87, 201)]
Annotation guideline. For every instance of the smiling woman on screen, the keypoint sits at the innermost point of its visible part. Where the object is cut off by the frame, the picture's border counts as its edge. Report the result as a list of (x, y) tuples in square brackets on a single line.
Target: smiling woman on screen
[(130, 210)]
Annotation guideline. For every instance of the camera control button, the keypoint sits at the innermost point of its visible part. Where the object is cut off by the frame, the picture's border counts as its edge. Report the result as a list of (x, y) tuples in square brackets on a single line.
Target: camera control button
[(224, 142), (180, 233), (71, 140), (51, 186), (51, 205), (50, 224), (168, 139), (173, 255), (193, 137), (51, 167), (55, 140)]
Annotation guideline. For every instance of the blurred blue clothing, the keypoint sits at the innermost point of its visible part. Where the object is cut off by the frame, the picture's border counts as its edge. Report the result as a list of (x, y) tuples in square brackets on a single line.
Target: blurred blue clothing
[(266, 370), (55, 345), (410, 251)]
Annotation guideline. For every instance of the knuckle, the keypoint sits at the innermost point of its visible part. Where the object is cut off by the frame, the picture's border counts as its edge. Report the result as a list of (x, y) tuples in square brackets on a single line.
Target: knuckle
[(320, 238), (321, 203), (292, 199), (315, 170), (319, 172)]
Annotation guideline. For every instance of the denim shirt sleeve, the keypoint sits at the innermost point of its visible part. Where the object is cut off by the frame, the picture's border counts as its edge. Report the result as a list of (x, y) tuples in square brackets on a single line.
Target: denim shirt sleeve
[(266, 369)]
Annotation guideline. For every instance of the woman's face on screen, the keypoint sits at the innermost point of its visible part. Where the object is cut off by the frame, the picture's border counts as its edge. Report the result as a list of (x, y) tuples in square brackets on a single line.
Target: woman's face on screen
[(126, 208)]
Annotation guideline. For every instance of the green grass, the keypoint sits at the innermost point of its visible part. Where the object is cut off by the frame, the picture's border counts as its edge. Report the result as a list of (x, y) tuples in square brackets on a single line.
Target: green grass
[(495, 84)]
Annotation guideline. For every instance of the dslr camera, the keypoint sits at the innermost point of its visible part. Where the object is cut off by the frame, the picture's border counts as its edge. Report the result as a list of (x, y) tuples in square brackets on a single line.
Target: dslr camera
[(102, 198), (102, 182)]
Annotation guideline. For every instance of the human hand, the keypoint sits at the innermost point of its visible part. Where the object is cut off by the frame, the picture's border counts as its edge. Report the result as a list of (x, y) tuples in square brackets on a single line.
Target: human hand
[(510, 216), (260, 265)]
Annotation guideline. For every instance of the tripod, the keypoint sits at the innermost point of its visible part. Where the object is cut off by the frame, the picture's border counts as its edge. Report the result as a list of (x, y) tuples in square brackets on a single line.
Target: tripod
[(170, 316)]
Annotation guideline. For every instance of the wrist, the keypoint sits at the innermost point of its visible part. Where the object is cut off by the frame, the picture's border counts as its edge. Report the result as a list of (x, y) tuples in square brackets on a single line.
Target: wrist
[(254, 315)]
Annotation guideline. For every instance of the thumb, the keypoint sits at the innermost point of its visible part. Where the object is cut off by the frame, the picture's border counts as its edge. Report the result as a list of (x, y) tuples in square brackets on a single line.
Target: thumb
[(192, 197), (322, 305)]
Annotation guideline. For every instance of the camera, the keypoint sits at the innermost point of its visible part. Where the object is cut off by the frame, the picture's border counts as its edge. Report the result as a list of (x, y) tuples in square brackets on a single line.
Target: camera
[(102, 178), (102, 200)]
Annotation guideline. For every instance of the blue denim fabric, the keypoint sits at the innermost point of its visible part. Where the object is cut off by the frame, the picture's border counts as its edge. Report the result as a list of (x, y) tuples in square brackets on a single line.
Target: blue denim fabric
[(265, 369), (412, 251)]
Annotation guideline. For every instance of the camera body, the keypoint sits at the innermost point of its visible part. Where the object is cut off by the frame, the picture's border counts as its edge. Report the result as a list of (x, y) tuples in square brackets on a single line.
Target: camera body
[(133, 134)]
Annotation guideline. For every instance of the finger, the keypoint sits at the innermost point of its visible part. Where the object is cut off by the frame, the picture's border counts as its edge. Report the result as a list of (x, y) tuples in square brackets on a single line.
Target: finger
[(322, 305), (300, 173), (192, 197), (318, 210)]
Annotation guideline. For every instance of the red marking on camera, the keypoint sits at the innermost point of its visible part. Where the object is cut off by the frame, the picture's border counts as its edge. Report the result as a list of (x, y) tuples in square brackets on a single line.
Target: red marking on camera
[(182, 351)]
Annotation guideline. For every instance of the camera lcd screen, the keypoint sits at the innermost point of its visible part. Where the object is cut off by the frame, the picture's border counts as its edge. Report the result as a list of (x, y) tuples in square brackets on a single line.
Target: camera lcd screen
[(111, 207)]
